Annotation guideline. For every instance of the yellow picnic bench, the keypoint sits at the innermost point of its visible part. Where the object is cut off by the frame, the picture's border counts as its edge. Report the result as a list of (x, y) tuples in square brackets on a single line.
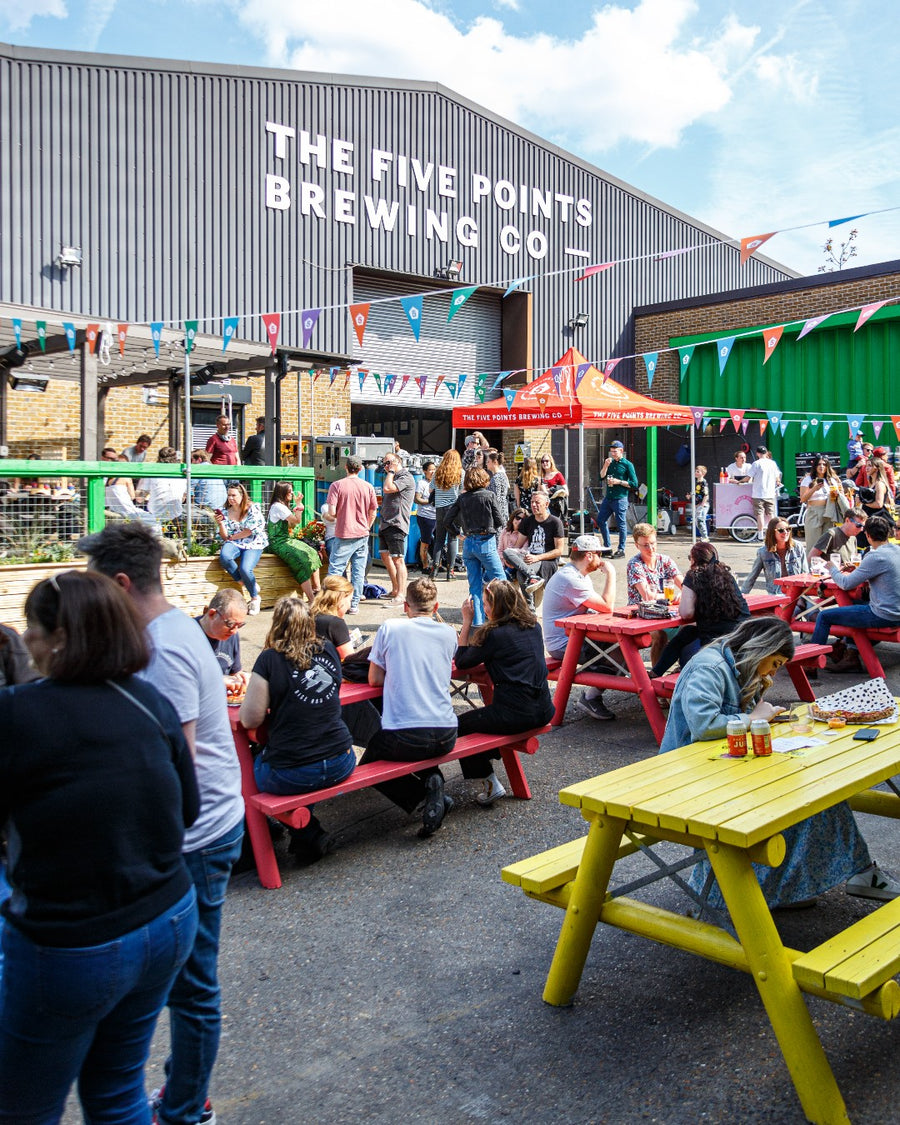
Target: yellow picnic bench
[(733, 811)]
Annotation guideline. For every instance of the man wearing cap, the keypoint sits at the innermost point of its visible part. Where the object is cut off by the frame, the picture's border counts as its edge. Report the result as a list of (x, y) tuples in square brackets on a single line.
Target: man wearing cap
[(765, 477), (474, 442), (620, 476), (570, 591)]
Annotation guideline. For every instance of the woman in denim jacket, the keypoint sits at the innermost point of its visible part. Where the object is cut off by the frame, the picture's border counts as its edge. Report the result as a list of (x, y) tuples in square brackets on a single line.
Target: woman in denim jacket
[(778, 557)]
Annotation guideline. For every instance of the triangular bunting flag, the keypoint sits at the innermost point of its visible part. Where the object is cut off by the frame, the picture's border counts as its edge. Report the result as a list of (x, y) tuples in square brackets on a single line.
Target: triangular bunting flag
[(580, 371), (784, 426), (591, 270), (750, 245), (458, 299), (814, 422), (723, 348), (697, 412), (744, 426), (813, 322), (437, 384), (855, 421), (804, 426), (229, 327), (459, 383), (514, 285), (308, 320), (650, 361), (317, 374), (763, 423), (359, 315), (503, 375), (92, 334), (69, 330), (737, 416), (826, 426), (611, 365), (451, 387), (155, 334), (122, 332), (272, 321), (672, 253), (362, 378), (774, 418), (403, 382), (849, 219), (542, 402), (771, 337), (422, 380), (509, 393), (876, 426), (41, 329), (332, 375), (684, 359), (190, 334), (346, 379), (867, 312), (17, 330), (723, 422), (377, 379), (412, 306), (556, 372), (479, 394)]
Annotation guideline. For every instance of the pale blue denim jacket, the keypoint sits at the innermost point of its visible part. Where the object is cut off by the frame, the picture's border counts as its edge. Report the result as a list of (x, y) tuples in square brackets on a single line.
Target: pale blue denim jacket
[(707, 694), (768, 562)]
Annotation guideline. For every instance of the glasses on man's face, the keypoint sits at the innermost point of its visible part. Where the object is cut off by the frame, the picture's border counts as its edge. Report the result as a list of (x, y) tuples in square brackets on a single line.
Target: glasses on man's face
[(233, 625), (858, 523)]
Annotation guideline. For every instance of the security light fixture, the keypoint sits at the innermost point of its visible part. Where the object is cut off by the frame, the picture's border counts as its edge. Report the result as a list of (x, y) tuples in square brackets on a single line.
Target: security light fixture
[(13, 356), (450, 272), (35, 383), (207, 373), (579, 320), (69, 257)]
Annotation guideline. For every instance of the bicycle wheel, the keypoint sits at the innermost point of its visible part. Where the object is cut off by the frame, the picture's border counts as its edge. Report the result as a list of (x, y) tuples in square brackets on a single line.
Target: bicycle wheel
[(796, 525), (743, 529)]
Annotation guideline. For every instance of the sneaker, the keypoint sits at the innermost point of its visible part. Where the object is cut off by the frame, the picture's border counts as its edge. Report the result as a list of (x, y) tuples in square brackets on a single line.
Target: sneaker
[(254, 605), (596, 708), (435, 806), (534, 584), (491, 791), (873, 883), (620, 554), (207, 1117), (353, 609), (386, 599)]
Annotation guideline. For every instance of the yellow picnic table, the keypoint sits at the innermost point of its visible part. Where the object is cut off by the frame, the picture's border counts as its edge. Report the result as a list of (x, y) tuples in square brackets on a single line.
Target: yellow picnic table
[(733, 810)]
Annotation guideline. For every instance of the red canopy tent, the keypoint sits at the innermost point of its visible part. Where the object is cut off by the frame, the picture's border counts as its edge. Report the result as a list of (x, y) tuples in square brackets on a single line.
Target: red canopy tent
[(573, 392)]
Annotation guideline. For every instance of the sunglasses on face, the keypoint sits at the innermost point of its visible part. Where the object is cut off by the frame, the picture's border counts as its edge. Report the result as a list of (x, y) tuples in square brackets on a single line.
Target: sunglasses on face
[(782, 531), (858, 523)]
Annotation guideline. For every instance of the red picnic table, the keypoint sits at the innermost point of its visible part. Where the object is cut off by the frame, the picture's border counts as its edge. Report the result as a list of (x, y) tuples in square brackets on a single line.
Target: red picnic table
[(631, 634)]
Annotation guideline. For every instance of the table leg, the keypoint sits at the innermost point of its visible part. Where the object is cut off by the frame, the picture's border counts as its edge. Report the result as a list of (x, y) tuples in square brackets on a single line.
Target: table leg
[(566, 675), (867, 654), (641, 678), (771, 970), (257, 826), (588, 892)]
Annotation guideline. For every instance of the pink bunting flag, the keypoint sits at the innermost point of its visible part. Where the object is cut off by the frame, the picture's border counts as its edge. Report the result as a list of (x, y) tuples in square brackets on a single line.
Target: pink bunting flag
[(697, 412), (813, 322), (359, 315), (744, 426), (867, 312), (771, 337), (611, 365), (403, 382), (750, 245), (591, 270), (737, 416), (723, 422), (272, 321)]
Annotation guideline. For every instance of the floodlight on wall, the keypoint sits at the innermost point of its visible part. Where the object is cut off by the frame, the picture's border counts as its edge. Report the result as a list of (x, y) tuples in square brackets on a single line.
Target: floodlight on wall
[(36, 383), (579, 320), (13, 356), (69, 257), (207, 373), (450, 272)]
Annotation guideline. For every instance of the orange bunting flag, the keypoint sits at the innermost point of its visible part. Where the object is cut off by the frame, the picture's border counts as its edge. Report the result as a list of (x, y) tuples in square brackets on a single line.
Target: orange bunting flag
[(737, 416), (92, 333), (771, 337), (763, 422), (895, 418), (123, 332), (750, 245), (867, 312), (359, 314), (438, 382), (542, 402)]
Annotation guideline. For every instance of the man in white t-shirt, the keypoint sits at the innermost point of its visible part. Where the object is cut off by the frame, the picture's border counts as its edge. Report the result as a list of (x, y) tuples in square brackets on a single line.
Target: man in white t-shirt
[(413, 657), (765, 478), (738, 472), (570, 591), (184, 668)]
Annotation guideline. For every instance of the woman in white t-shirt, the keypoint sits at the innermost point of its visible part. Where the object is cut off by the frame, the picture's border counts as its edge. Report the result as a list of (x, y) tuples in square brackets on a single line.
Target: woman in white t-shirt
[(815, 490)]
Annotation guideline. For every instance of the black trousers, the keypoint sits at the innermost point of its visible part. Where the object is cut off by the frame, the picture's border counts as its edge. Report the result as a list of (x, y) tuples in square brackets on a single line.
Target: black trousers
[(501, 717), (408, 746)]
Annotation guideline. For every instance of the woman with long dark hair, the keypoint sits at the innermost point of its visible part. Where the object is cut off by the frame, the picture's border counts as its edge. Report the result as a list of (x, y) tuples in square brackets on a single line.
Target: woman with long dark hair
[(243, 532), (711, 599), (96, 786), (476, 512), (511, 646), (816, 488), (727, 680), (447, 482), (285, 518), (528, 480)]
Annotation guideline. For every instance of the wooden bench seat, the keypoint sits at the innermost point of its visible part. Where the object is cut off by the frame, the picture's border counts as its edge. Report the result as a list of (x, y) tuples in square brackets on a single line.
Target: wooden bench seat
[(857, 961), (544, 875), (293, 810)]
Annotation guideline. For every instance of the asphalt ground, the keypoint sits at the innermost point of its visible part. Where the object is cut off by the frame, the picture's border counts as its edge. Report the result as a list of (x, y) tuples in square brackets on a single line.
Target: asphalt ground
[(399, 980)]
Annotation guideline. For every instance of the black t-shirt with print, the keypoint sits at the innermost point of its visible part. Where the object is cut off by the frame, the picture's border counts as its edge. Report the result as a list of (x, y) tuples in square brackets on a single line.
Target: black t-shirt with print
[(541, 536)]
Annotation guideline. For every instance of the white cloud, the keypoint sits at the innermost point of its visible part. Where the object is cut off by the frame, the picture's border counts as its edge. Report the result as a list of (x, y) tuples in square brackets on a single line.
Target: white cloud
[(18, 14), (513, 5), (635, 74)]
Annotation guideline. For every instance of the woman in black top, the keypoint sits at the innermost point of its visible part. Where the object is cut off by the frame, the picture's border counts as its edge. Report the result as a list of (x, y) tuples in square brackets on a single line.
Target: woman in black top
[(511, 646), (477, 513), (295, 688), (96, 786), (711, 597)]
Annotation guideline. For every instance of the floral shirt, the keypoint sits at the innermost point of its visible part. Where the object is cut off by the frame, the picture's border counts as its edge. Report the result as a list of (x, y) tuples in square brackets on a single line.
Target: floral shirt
[(638, 571), (253, 521)]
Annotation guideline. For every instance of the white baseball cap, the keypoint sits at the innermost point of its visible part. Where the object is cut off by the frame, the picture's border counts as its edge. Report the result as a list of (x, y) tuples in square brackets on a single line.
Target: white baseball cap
[(587, 543)]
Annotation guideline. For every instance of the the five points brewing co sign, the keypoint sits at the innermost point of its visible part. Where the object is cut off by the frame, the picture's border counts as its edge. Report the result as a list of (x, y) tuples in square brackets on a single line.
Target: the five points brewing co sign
[(408, 196)]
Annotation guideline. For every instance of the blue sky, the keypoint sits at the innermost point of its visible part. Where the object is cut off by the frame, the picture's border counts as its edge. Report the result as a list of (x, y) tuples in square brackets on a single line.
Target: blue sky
[(751, 116)]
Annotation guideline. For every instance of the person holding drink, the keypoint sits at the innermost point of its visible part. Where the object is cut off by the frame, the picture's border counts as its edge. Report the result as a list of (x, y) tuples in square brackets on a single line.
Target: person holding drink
[(820, 485)]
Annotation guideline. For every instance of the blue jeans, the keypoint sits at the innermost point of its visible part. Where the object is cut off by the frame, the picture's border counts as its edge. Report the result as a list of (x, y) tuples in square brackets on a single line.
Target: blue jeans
[(701, 527), (87, 1013), (857, 616), (240, 562), (613, 506), (5, 892), (356, 553), (195, 998), (482, 565), (306, 778)]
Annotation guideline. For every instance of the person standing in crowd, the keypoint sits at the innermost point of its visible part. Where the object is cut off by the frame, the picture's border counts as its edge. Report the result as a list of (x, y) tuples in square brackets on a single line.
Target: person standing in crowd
[(295, 685), (476, 512), (207, 493), (447, 483), (727, 680), (571, 591), (841, 540), (254, 451), (354, 505), (538, 548), (499, 483), (620, 476), (412, 657), (765, 478), (185, 671), (221, 448), (285, 517), (819, 485), (778, 557), (738, 472), (425, 513), (138, 451), (221, 622), (475, 443), (243, 530), (511, 646), (527, 483), (103, 912), (701, 503), (397, 492)]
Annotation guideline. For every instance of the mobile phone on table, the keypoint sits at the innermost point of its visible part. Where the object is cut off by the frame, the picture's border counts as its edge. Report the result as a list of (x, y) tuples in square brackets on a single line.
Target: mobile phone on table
[(867, 734)]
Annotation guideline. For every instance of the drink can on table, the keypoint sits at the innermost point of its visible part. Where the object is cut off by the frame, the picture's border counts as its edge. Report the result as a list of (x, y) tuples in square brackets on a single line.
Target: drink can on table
[(761, 737), (737, 738)]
